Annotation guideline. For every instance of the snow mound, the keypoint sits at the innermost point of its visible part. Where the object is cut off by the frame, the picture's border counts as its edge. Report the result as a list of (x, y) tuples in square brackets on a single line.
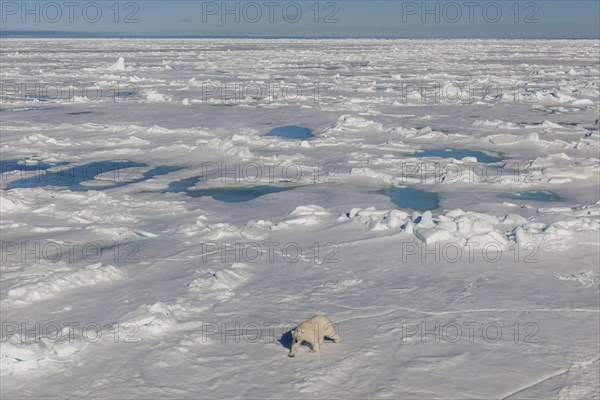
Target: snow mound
[(155, 319), (19, 354), (22, 357), (233, 277), (221, 231), (303, 215), (226, 279), (257, 230), (9, 206), (58, 281), (222, 282), (583, 278)]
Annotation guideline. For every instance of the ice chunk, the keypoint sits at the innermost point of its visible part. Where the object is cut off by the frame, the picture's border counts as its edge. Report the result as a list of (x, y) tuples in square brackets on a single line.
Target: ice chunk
[(119, 65), (432, 235), (154, 97)]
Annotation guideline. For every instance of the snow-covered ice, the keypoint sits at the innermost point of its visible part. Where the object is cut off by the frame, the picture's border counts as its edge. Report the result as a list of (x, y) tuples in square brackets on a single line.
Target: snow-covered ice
[(158, 242)]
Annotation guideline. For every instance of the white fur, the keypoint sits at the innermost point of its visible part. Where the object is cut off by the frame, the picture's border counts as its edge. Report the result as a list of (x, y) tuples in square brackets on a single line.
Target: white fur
[(314, 331)]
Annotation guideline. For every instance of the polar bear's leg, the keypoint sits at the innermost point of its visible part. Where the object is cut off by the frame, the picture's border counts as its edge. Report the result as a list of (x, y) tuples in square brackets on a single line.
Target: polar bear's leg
[(314, 346), (293, 349), (336, 337)]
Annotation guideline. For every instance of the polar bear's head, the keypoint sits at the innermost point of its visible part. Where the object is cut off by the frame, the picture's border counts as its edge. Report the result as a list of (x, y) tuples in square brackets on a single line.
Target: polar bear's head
[(297, 336)]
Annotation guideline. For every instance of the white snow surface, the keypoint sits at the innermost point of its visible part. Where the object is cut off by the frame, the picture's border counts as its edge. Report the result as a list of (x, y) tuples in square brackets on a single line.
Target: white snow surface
[(131, 292)]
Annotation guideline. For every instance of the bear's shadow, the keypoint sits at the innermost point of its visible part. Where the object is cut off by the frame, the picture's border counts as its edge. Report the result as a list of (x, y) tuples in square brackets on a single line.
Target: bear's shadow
[(286, 340)]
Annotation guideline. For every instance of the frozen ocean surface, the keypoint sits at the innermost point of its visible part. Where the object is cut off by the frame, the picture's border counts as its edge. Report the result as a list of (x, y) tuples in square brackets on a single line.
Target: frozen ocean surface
[(184, 245), (291, 132), (411, 198), (457, 154), (224, 194), (537, 195)]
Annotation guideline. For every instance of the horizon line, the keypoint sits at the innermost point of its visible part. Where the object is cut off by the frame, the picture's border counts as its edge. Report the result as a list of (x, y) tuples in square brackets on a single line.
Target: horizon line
[(104, 35)]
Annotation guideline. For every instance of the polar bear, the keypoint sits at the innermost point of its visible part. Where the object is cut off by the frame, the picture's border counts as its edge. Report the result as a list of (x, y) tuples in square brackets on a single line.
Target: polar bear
[(313, 331)]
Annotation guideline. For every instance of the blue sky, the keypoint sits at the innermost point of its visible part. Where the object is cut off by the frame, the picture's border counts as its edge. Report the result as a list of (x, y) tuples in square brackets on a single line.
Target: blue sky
[(305, 18)]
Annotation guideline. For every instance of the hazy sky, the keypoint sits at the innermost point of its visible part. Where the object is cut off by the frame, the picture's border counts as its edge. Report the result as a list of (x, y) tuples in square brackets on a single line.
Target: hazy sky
[(308, 18)]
